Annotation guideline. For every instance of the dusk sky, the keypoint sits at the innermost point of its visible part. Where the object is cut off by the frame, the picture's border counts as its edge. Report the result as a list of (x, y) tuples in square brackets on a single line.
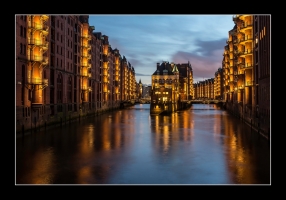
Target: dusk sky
[(146, 40)]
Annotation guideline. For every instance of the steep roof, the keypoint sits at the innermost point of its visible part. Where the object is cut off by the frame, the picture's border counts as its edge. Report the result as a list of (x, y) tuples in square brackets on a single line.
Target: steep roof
[(165, 66)]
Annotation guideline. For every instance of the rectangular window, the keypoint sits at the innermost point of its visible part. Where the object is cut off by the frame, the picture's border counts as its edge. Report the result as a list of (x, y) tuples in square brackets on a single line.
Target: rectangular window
[(25, 32), (21, 31), (21, 47)]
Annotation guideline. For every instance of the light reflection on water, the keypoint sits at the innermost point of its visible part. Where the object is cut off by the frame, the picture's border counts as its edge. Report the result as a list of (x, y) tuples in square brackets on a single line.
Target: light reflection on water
[(202, 145)]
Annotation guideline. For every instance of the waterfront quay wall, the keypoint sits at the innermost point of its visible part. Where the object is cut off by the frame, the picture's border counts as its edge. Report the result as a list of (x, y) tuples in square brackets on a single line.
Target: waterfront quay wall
[(245, 113), (168, 107), (36, 121)]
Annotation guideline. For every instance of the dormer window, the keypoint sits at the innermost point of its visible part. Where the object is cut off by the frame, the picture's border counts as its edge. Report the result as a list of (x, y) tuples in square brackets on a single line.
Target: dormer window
[(165, 72)]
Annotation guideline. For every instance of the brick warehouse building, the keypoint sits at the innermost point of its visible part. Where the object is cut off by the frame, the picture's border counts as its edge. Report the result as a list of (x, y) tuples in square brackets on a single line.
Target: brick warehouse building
[(65, 70), (243, 82), (246, 69)]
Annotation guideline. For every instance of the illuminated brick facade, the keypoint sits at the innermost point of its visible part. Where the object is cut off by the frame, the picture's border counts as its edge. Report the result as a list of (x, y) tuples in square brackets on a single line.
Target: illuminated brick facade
[(204, 89), (171, 84), (64, 69), (246, 69)]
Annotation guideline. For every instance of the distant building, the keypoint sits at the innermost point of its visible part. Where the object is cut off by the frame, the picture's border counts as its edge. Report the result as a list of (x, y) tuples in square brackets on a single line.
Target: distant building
[(170, 85), (218, 84), (146, 91), (204, 89)]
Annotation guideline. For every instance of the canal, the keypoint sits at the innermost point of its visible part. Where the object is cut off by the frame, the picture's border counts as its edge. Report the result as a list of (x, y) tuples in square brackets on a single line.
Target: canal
[(203, 145)]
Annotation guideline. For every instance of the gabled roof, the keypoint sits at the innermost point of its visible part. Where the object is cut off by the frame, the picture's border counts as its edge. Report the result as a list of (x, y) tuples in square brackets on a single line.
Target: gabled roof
[(165, 66)]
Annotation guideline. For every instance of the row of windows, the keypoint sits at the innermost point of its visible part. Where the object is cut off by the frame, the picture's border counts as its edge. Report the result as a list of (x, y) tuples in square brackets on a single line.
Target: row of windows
[(69, 65), (23, 17), (157, 92)]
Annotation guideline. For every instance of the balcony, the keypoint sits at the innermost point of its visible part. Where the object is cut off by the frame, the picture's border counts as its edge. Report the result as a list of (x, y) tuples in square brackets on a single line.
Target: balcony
[(38, 26), (241, 87), (86, 74), (88, 37), (86, 46), (241, 62), (88, 65), (86, 88), (247, 65), (245, 27), (248, 83), (246, 53), (44, 17), (244, 40), (43, 59), (36, 42), (38, 81), (86, 55)]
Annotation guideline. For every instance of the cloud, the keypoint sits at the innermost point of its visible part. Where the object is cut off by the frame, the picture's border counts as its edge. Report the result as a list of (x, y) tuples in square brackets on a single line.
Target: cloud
[(205, 60), (143, 74), (146, 40)]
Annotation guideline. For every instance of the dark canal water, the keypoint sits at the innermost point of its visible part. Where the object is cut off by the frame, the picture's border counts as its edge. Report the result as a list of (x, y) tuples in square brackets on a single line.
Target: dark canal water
[(203, 145)]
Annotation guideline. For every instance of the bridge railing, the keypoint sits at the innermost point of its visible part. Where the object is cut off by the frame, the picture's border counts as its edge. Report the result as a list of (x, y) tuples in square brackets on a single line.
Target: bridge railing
[(207, 101)]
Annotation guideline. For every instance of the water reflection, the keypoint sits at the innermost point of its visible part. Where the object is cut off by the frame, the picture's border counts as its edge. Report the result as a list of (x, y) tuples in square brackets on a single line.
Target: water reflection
[(202, 145)]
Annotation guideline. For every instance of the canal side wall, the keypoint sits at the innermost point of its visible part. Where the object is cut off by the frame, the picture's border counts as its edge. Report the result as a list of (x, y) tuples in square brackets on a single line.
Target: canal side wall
[(168, 107), (257, 124), (44, 120)]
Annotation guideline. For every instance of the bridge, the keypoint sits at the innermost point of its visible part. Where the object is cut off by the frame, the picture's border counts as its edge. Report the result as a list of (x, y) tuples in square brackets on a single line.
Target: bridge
[(206, 101)]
